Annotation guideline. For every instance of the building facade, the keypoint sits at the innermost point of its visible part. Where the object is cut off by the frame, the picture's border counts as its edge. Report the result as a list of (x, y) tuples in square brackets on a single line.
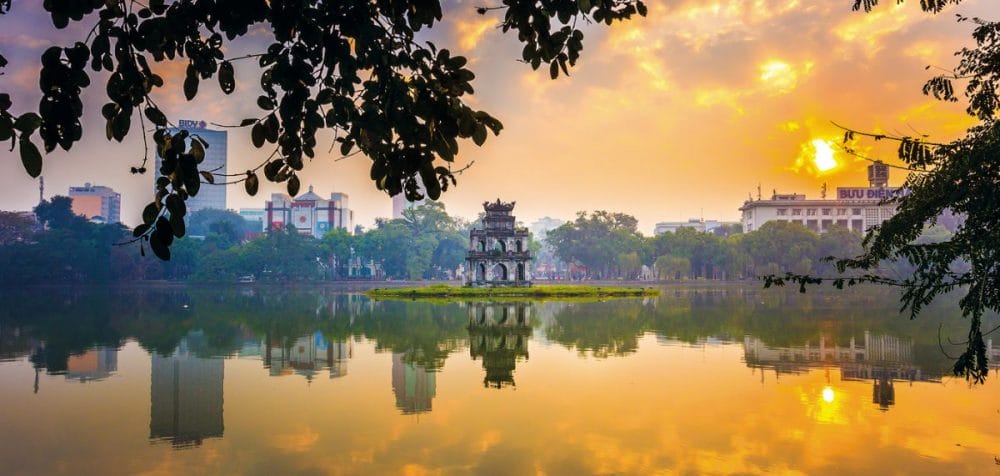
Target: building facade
[(309, 213), (699, 224), (97, 202), (498, 253), (855, 208), (401, 204), (209, 196)]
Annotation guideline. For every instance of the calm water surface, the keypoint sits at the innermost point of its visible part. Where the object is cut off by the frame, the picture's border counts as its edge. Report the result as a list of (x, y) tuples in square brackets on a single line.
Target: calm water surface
[(271, 381)]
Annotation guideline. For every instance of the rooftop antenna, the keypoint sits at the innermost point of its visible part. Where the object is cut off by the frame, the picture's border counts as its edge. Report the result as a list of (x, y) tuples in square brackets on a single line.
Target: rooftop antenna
[(41, 190), (822, 192), (758, 191)]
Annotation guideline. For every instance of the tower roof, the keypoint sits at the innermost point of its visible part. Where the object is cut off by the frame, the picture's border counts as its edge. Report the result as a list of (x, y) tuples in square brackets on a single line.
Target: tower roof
[(498, 206)]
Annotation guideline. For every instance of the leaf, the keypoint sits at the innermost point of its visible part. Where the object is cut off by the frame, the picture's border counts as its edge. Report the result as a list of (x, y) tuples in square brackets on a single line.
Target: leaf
[(554, 70), (293, 185), (198, 151), (156, 116), (257, 135), (4, 102), (31, 158), (191, 83), (178, 226), (140, 230), (27, 122), (247, 122), (208, 176), (227, 80), (479, 136), (149, 213), (176, 206), (160, 249), (251, 183)]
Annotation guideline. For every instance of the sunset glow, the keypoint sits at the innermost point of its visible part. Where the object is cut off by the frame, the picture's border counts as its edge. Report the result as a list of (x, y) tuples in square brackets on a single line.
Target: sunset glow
[(824, 159)]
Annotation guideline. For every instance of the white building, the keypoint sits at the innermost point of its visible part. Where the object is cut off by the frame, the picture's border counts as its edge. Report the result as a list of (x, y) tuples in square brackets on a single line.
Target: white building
[(309, 213), (701, 225), (856, 208)]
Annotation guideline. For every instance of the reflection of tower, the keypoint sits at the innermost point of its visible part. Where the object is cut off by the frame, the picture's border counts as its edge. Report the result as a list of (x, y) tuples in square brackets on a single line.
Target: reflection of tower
[(95, 364), (186, 397), (499, 335), (883, 392), (413, 384)]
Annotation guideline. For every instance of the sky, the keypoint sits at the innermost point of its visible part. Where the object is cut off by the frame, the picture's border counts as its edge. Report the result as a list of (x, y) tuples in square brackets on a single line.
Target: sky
[(678, 115)]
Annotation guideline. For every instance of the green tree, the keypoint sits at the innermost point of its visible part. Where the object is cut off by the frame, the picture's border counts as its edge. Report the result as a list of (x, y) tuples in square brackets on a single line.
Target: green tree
[(407, 115)]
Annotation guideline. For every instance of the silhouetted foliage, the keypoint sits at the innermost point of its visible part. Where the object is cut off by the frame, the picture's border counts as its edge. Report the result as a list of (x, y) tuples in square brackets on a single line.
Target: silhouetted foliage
[(352, 67)]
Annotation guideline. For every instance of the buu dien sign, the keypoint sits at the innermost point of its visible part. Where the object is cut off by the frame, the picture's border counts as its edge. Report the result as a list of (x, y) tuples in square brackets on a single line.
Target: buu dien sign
[(866, 193), (191, 124)]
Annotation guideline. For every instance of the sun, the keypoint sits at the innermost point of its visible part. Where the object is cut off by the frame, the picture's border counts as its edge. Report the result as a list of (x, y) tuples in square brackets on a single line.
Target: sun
[(828, 395), (823, 160)]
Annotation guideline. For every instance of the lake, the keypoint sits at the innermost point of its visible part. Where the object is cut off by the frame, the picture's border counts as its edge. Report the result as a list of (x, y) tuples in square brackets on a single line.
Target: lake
[(269, 380)]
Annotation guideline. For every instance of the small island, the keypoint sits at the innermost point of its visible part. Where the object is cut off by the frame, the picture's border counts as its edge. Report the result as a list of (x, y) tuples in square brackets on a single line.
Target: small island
[(537, 292)]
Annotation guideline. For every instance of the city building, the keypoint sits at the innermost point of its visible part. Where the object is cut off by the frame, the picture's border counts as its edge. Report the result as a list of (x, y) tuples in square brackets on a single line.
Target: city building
[(856, 208), (309, 213), (209, 196), (97, 203), (400, 203), (186, 395), (699, 224), (498, 253), (256, 217)]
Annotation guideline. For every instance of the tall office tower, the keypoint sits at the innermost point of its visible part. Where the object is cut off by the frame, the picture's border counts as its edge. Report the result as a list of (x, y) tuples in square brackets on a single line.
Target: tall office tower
[(209, 196), (97, 202)]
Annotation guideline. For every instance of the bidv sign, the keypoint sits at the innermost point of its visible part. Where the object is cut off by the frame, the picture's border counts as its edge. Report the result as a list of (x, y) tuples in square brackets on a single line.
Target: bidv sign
[(190, 124), (865, 193)]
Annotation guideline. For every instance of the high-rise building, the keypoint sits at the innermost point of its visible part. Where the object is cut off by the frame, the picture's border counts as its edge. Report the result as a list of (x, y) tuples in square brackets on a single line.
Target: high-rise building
[(186, 396), (209, 196), (97, 202), (400, 203), (309, 213)]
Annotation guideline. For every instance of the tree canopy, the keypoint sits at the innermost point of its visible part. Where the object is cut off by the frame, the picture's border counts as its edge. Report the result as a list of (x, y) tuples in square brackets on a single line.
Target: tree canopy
[(354, 68)]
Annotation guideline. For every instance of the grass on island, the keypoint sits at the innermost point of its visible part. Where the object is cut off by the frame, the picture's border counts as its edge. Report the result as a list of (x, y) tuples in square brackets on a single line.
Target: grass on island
[(537, 291)]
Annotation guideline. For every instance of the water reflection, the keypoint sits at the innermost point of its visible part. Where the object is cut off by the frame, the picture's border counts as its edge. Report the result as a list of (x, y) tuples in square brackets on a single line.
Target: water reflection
[(284, 355), (95, 364), (498, 334), (881, 359), (413, 385), (186, 395)]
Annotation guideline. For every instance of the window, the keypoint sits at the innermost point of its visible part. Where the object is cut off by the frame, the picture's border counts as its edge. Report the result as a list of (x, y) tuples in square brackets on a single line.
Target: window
[(841, 211), (796, 211), (855, 211), (826, 212), (811, 212), (782, 212)]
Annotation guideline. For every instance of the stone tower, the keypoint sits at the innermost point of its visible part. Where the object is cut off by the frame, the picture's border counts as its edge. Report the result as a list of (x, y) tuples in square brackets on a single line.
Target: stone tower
[(498, 253)]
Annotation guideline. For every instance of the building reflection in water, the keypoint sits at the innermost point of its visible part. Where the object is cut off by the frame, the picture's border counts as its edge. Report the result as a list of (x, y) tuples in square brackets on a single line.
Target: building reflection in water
[(881, 359), (98, 363), (498, 334), (413, 384), (186, 395), (306, 356)]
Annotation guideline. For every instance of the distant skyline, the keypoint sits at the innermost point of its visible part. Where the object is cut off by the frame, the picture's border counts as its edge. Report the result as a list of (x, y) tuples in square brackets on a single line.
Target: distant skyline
[(678, 115)]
